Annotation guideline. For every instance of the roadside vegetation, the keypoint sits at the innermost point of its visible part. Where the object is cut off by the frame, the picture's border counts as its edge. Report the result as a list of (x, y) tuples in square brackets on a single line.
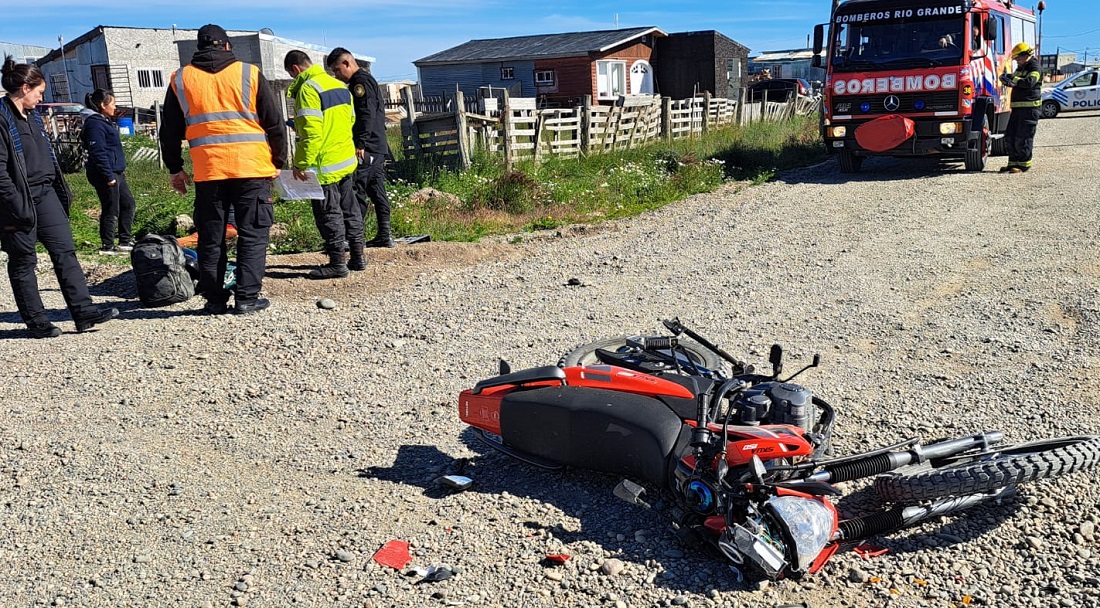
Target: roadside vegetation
[(488, 199)]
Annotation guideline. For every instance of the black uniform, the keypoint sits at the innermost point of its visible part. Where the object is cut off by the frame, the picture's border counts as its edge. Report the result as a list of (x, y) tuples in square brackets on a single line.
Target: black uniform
[(1026, 83), (34, 207), (369, 133)]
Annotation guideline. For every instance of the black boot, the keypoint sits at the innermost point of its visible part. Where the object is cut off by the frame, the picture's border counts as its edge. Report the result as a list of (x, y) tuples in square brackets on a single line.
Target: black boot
[(357, 259), (384, 238), (336, 268)]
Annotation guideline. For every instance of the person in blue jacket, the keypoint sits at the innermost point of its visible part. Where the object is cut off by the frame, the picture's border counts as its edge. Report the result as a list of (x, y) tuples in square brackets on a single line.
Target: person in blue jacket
[(106, 168)]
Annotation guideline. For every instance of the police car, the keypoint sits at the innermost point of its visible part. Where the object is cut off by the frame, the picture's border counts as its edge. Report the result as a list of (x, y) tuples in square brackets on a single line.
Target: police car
[(1078, 92)]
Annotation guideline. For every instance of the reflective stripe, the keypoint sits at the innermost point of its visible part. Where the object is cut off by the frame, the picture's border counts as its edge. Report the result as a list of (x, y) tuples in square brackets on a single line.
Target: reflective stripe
[(181, 94), (246, 85), (228, 139), (310, 112), (316, 86), (333, 168), (212, 116), (1027, 104)]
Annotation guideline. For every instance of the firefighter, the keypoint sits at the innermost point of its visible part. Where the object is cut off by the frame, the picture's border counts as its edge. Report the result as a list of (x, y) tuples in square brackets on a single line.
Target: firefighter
[(1026, 83)]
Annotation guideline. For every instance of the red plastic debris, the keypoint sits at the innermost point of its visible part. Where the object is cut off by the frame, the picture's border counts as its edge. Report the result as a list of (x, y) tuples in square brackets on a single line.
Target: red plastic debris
[(558, 558), (394, 554), (868, 551)]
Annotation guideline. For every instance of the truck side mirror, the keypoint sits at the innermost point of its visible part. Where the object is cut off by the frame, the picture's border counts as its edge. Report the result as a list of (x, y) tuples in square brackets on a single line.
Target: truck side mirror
[(991, 28), (819, 39)]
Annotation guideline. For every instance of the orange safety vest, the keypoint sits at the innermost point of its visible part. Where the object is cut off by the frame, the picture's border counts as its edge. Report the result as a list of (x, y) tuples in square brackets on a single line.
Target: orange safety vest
[(223, 129)]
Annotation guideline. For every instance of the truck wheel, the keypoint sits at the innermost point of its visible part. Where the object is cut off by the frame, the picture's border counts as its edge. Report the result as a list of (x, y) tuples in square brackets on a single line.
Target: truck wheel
[(849, 162), (1050, 109), (975, 159)]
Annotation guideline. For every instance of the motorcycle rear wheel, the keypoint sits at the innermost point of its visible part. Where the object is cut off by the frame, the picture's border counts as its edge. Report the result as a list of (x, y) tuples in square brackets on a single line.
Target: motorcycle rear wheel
[(586, 354), (973, 473)]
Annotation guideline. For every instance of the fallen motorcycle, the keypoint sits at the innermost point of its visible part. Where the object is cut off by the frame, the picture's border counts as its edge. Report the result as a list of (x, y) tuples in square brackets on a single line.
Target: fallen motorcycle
[(745, 455)]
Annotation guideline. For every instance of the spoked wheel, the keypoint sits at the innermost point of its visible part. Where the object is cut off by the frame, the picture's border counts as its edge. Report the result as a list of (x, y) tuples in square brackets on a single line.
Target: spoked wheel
[(973, 473), (586, 354)]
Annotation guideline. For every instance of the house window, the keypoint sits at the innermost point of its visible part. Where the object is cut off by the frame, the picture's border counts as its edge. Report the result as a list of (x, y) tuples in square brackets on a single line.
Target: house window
[(150, 79), (610, 79), (507, 73), (544, 78)]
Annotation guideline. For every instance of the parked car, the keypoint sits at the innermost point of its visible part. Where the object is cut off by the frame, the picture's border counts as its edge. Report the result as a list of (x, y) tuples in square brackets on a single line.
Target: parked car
[(1078, 92), (778, 89)]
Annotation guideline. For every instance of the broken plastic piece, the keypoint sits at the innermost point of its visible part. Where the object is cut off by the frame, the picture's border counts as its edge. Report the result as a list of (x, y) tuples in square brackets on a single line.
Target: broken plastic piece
[(434, 574), (394, 554), (868, 551), (457, 482), (558, 558)]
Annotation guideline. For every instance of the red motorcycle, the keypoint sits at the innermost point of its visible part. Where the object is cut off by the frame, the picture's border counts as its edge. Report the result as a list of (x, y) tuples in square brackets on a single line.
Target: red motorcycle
[(744, 455)]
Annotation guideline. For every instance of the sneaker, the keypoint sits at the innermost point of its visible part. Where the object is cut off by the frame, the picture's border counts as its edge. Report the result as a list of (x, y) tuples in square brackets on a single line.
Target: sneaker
[(128, 246), (246, 308), (43, 330), (110, 250), (215, 307), (99, 317)]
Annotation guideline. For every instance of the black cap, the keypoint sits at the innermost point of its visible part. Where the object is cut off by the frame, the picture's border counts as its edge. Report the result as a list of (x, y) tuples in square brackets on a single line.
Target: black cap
[(212, 35)]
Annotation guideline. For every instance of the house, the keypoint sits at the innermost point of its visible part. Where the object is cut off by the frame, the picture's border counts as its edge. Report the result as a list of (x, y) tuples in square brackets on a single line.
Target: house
[(135, 63), (790, 63), (559, 69), (22, 53), (686, 64)]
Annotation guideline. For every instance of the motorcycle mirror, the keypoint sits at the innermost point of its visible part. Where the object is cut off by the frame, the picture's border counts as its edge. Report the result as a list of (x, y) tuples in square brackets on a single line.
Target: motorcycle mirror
[(758, 470), (775, 357), (504, 367), (630, 492)]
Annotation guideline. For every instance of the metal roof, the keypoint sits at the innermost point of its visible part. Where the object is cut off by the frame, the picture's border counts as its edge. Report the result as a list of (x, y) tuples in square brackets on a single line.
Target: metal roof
[(788, 55), (545, 46)]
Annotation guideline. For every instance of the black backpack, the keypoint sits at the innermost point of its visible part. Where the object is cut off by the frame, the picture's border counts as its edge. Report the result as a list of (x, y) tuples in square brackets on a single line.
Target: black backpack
[(160, 269)]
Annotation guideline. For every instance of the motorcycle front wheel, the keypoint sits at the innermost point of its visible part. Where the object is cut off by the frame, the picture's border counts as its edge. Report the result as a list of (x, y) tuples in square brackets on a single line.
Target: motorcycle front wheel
[(586, 354), (973, 473)]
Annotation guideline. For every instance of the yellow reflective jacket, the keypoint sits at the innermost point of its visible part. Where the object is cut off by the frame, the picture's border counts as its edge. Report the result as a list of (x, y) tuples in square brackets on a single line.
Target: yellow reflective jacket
[(323, 122)]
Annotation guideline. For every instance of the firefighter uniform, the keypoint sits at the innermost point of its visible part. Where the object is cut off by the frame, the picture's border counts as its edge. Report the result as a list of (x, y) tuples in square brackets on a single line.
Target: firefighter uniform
[(1026, 100), (231, 119), (323, 122)]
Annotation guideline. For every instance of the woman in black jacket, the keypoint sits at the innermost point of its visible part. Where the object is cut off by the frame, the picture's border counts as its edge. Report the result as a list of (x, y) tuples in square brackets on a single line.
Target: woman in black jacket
[(106, 172), (34, 208)]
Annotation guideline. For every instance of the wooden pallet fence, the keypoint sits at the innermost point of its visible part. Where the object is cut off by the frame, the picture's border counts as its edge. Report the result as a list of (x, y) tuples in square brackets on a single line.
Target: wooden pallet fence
[(560, 132)]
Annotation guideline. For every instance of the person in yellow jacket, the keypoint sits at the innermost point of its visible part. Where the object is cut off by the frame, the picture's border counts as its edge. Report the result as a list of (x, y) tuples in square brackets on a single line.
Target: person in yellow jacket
[(323, 120), (231, 119), (1026, 100)]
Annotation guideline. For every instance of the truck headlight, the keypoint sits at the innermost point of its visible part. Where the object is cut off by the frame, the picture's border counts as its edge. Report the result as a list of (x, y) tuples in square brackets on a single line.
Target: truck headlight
[(840, 131), (950, 128)]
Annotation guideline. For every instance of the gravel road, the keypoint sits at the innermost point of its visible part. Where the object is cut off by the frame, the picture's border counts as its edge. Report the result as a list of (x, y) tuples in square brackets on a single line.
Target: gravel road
[(171, 459)]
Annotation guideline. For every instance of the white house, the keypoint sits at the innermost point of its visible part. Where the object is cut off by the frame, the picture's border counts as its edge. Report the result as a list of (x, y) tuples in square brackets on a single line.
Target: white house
[(135, 63)]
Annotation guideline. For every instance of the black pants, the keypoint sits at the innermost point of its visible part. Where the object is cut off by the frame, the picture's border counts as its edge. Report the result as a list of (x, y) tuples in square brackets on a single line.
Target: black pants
[(1020, 135), (339, 216), (370, 187), (251, 203), (116, 210), (53, 231)]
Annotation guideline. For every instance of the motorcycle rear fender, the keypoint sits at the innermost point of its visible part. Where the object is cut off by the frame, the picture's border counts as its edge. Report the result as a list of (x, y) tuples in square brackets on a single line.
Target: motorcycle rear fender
[(621, 379)]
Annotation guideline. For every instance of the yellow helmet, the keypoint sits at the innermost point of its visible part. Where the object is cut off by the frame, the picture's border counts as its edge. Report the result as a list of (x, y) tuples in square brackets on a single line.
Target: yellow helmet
[(1021, 48)]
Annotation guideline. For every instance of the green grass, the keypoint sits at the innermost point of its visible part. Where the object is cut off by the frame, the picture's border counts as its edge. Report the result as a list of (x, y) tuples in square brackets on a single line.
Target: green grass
[(491, 200)]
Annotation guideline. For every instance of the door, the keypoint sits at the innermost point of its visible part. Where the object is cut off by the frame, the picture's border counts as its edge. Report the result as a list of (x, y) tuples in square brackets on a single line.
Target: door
[(641, 78)]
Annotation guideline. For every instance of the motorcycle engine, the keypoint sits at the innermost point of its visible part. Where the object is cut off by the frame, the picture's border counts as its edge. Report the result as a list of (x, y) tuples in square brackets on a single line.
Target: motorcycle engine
[(775, 403)]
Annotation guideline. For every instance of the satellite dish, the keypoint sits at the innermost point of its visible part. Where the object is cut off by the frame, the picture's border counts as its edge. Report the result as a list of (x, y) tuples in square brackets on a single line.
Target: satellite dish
[(267, 31)]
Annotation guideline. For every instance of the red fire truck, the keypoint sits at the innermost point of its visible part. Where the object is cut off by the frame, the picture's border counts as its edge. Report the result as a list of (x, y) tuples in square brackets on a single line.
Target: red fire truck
[(918, 77)]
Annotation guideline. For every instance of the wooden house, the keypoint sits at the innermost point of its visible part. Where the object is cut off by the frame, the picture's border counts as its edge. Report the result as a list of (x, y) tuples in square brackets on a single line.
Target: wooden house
[(687, 64), (558, 69)]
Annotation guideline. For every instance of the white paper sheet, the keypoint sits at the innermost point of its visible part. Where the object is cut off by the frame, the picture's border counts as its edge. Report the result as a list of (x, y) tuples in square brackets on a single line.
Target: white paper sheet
[(291, 189)]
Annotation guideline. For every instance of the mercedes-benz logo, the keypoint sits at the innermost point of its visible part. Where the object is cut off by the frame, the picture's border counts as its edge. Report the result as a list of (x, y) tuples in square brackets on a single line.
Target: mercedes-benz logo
[(892, 103)]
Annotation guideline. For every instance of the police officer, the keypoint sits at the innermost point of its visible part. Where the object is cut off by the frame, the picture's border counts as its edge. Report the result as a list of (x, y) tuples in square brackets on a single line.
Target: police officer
[(1026, 83), (323, 121), (230, 116), (370, 140)]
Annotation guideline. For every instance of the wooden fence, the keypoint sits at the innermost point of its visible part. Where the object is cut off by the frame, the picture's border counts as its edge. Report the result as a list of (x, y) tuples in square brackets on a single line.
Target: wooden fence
[(521, 131)]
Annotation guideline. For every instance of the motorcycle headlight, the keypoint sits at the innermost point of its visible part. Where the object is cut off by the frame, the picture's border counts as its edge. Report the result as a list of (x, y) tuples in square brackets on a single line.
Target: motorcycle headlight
[(809, 525)]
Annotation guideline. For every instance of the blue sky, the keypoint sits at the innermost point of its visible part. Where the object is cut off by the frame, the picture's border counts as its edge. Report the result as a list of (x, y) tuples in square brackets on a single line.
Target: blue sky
[(396, 32)]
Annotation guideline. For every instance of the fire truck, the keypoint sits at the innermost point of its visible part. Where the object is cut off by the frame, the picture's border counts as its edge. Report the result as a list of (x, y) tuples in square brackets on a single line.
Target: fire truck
[(918, 77)]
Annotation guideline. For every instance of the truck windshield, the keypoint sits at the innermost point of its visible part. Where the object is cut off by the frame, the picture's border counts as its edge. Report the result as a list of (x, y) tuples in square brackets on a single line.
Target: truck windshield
[(897, 44)]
